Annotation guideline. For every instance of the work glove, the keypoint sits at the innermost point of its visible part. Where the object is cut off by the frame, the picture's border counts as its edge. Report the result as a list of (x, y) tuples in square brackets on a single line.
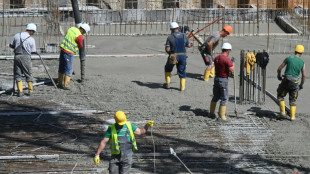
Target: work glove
[(96, 159), (202, 48), (300, 87), (279, 77), (206, 58), (232, 60), (150, 123)]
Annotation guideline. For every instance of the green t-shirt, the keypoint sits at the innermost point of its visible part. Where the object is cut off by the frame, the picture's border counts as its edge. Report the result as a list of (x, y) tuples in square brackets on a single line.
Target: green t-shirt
[(120, 131), (294, 65)]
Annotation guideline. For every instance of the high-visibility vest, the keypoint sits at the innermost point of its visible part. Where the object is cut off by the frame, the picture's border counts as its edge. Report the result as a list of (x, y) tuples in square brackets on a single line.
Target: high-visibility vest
[(69, 43), (114, 143)]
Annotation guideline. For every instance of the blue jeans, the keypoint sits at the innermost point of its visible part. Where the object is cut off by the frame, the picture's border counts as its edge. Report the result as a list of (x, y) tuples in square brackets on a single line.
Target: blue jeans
[(65, 63), (220, 90), (181, 66)]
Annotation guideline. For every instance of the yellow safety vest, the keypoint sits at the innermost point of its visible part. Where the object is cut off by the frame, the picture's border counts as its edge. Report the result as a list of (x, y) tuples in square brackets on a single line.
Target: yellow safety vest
[(69, 43), (114, 143)]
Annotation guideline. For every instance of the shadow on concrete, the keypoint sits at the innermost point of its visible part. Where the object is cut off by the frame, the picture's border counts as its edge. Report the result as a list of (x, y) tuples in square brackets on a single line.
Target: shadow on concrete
[(22, 134), (197, 111), (259, 112), (154, 85)]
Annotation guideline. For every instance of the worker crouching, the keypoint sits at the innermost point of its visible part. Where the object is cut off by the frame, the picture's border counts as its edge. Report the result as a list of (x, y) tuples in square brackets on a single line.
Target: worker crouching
[(175, 47), (206, 50), (121, 137), (290, 83), (223, 66)]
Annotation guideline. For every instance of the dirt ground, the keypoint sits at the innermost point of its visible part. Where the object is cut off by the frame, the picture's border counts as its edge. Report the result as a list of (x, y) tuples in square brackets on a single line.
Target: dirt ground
[(134, 84)]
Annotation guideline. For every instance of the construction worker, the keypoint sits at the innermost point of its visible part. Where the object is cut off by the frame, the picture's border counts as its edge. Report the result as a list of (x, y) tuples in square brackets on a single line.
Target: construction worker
[(207, 48), (223, 66), (290, 83), (122, 143), (175, 47), (24, 45), (71, 44)]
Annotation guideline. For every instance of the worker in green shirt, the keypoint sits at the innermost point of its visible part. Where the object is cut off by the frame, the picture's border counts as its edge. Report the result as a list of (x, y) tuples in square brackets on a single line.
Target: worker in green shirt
[(121, 136), (290, 83)]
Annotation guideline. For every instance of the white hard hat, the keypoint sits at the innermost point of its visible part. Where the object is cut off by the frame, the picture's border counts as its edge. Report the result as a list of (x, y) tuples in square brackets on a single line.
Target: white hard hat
[(226, 46), (174, 25), (85, 27), (31, 26)]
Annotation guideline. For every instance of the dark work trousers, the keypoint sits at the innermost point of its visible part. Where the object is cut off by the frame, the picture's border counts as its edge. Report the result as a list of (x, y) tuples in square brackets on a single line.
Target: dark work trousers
[(179, 49), (121, 163), (23, 65), (288, 86), (220, 90)]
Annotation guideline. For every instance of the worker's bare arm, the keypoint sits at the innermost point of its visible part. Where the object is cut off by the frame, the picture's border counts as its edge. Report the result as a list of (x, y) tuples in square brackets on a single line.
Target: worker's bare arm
[(141, 131), (102, 145)]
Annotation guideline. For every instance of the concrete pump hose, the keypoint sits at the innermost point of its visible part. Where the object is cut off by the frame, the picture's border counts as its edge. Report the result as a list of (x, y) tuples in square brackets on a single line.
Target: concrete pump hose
[(46, 70)]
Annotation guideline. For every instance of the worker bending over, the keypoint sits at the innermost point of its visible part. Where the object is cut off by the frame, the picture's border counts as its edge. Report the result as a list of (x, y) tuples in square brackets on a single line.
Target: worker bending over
[(290, 83), (24, 45), (223, 66), (175, 47), (71, 44), (121, 136), (206, 50)]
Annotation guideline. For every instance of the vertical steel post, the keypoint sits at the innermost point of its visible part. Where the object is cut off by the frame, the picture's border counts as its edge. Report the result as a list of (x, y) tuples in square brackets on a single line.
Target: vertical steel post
[(241, 75), (257, 17), (78, 20)]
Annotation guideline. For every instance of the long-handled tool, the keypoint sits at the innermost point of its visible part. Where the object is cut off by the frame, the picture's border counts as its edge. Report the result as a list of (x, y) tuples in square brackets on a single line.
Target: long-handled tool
[(172, 152), (235, 98), (46, 70), (192, 34)]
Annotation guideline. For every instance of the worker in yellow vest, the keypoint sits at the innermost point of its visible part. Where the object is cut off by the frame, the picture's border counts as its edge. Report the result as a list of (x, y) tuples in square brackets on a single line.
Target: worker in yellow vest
[(71, 44), (122, 141)]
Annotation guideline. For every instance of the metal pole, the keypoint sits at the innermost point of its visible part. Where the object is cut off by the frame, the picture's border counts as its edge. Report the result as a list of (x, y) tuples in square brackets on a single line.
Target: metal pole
[(78, 20), (241, 82), (257, 17)]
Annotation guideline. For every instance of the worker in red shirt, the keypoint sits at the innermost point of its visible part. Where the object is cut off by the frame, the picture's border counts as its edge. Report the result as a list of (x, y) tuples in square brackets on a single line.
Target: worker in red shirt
[(71, 44), (223, 66)]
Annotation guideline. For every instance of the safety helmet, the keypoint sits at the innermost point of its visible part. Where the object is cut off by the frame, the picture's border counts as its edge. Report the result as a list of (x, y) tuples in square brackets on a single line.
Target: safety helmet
[(174, 25), (31, 26), (85, 27), (299, 49), (120, 117), (226, 46), (228, 29)]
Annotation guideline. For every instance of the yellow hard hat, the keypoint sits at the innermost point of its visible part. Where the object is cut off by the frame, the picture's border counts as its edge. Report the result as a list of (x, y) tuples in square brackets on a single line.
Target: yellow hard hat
[(299, 49), (120, 117)]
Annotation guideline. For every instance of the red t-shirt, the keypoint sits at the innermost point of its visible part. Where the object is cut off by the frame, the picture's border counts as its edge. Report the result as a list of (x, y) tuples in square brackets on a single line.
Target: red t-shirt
[(79, 41), (222, 64)]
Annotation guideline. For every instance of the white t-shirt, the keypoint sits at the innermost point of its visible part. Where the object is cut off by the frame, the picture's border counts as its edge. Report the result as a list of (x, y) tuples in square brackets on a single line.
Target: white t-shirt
[(28, 42)]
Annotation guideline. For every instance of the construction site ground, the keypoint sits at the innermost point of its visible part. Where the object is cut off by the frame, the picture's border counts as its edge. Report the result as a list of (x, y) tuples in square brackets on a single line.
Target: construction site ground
[(58, 131)]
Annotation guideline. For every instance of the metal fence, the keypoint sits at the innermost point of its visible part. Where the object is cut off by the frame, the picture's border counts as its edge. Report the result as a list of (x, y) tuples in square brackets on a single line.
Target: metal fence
[(53, 19)]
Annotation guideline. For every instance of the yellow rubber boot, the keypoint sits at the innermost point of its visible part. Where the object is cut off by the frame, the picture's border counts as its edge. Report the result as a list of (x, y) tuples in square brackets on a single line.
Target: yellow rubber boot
[(292, 113), (282, 108), (222, 112), (206, 75), (30, 88), (20, 88), (61, 80), (67, 81), (182, 84), (212, 108), (212, 72), (168, 79)]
